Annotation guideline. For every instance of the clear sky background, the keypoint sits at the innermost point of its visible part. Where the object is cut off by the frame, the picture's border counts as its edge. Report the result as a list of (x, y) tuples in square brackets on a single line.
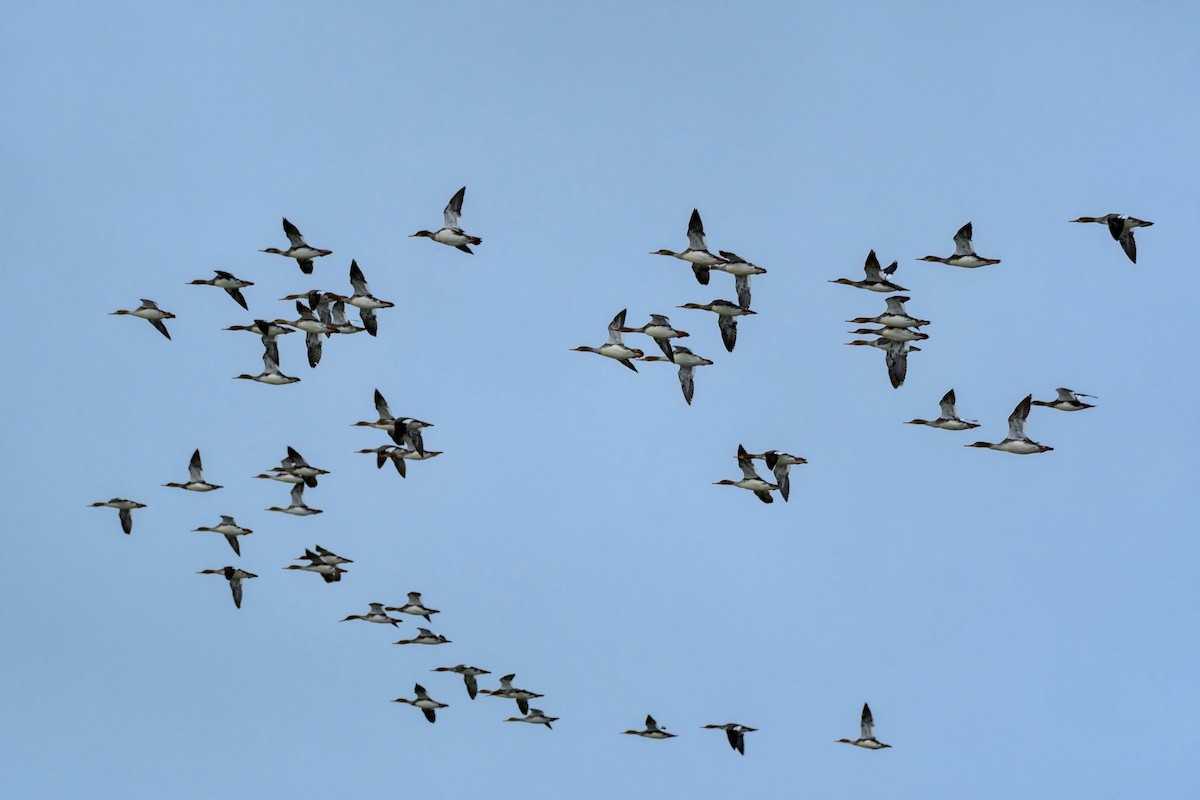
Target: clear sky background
[(1021, 626)]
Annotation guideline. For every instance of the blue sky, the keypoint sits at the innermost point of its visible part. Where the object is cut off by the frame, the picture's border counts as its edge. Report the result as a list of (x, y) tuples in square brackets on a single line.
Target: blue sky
[(1021, 626)]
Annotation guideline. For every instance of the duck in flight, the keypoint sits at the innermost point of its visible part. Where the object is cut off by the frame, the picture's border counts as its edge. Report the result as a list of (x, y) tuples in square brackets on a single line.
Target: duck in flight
[(376, 614), (741, 270), (1017, 442), (509, 692), (124, 510), (536, 717), (228, 528), (299, 249), (696, 253), (296, 465), (362, 299), (894, 317), (415, 607), (317, 564), (297, 508), (687, 361), (652, 731), (727, 314), (874, 280), (235, 577), (949, 419), (398, 456), (423, 701), (779, 464), (195, 482), (1067, 400), (230, 283), (964, 252), (867, 739), (1121, 228), (750, 480), (270, 374), (469, 675), (425, 636), (660, 330), (450, 233), (735, 733), (615, 347), (150, 312)]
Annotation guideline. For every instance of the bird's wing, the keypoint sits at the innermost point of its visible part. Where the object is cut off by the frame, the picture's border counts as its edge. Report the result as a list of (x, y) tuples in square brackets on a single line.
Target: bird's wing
[(453, 210), (293, 234), (962, 241), (1016, 420)]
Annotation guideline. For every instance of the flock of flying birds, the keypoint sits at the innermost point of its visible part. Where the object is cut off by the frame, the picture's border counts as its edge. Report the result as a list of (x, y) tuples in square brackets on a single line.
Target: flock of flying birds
[(895, 336), (325, 315)]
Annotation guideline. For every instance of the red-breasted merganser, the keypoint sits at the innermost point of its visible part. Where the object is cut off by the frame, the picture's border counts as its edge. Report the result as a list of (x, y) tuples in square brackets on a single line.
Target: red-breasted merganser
[(398, 455), (124, 510), (450, 233), (386, 421), (425, 636), (895, 356), (327, 556), (779, 464), (330, 573), (337, 319), (235, 577), (230, 283), (269, 332), (659, 329), (270, 374), (150, 312), (751, 481), (949, 420), (312, 327), (376, 614), (262, 328), (535, 716), (696, 253), (874, 282), (652, 730), (415, 607), (892, 334), (282, 475), (727, 313), (299, 250), (1067, 400), (964, 253), (735, 733), (196, 482), (508, 692), (881, 344), (687, 361), (615, 347), (1121, 228), (423, 701), (407, 433), (867, 739), (297, 507), (1017, 442), (228, 528), (364, 301), (894, 317), (296, 464), (741, 270), (469, 674)]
